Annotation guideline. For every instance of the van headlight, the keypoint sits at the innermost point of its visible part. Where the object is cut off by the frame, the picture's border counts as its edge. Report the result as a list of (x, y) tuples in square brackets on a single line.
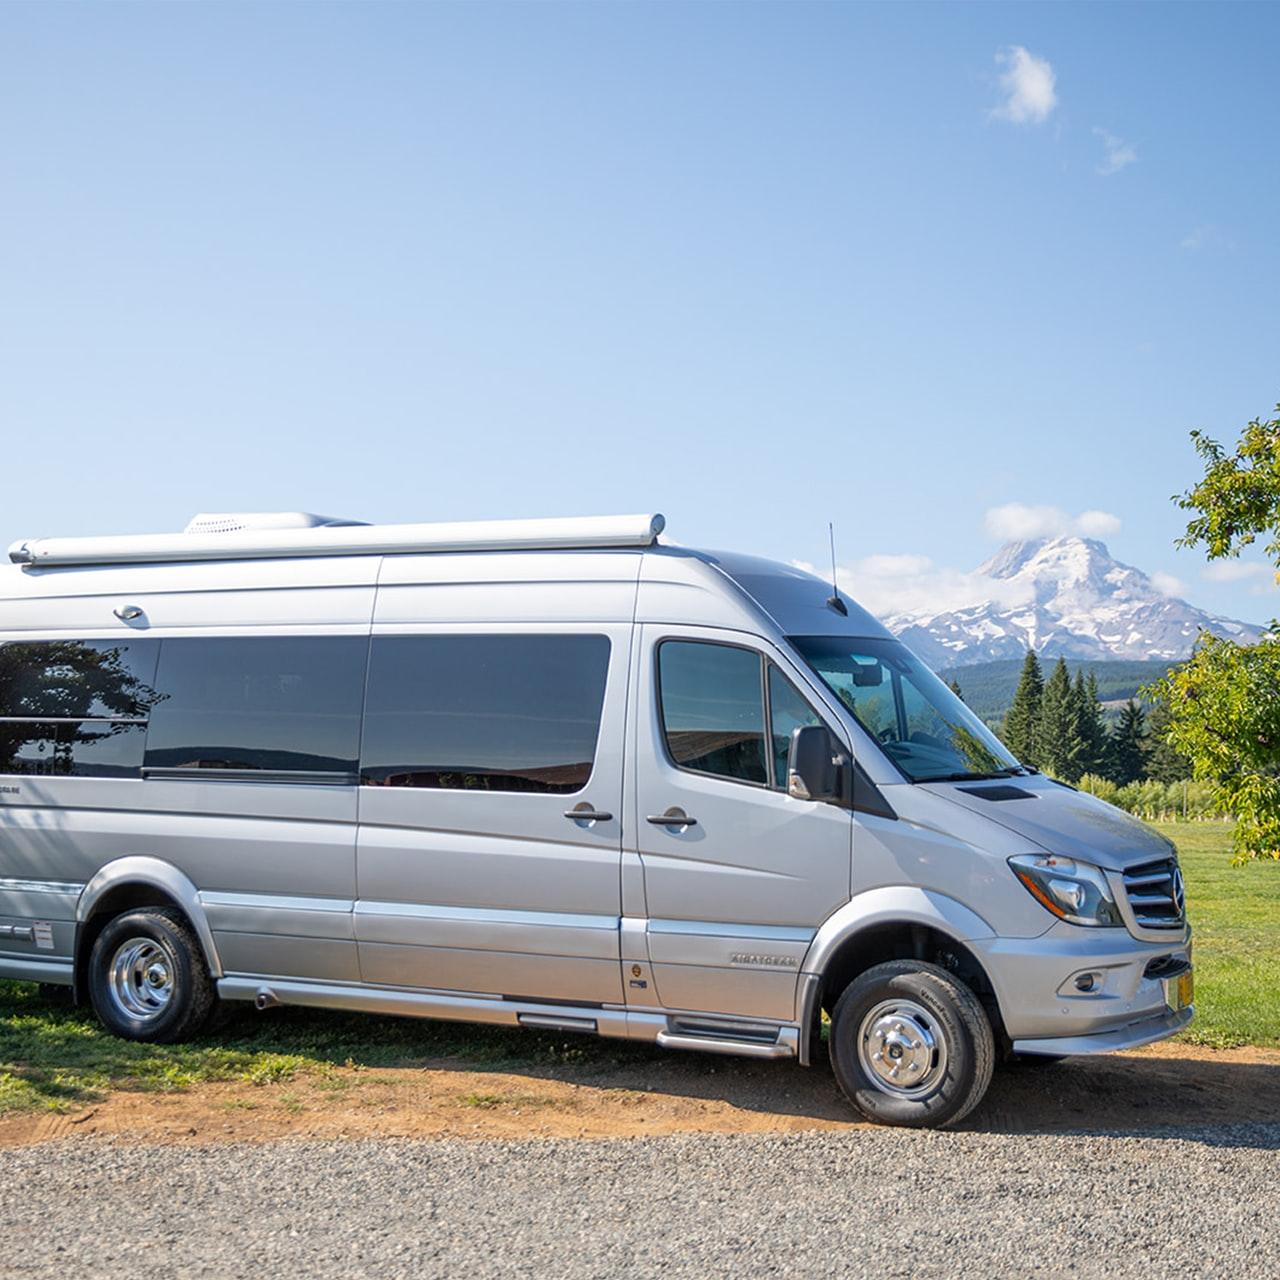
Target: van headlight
[(1076, 892)]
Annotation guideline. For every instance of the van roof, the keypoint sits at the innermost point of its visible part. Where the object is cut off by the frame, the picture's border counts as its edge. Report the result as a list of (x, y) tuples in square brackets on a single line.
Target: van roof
[(797, 601)]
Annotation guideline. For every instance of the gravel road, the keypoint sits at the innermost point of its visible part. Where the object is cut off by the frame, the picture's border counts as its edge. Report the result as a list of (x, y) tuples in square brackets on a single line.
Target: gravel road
[(1185, 1202)]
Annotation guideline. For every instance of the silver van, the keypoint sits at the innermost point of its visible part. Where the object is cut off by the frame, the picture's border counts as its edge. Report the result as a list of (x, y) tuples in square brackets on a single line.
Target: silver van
[(553, 774)]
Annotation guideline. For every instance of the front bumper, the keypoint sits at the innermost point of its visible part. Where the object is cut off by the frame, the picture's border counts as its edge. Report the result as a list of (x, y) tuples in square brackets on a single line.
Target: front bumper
[(1147, 1031), (1034, 981)]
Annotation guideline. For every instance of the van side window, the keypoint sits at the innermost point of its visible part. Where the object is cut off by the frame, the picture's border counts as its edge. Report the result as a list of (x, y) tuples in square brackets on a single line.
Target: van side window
[(484, 712), (75, 708), (284, 704), (712, 703), (788, 711)]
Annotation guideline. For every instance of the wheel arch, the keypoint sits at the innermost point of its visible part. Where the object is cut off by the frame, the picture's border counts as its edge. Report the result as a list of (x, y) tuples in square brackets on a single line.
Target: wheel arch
[(896, 923), (132, 882)]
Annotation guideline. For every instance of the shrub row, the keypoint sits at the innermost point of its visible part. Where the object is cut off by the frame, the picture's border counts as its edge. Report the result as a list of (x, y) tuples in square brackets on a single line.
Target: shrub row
[(1157, 801)]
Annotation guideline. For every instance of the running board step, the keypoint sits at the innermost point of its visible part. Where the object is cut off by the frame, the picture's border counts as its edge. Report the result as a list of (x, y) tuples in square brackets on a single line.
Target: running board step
[(743, 1042)]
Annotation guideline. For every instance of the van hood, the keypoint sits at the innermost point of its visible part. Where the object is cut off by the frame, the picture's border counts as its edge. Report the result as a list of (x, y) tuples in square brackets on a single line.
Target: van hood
[(1060, 820)]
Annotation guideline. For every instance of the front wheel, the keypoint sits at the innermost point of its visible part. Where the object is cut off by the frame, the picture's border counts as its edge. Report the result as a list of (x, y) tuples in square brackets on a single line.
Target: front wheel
[(147, 977), (911, 1045)]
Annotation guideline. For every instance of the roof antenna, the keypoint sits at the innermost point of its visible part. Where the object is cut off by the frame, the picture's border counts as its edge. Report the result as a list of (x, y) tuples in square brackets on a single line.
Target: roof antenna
[(833, 600)]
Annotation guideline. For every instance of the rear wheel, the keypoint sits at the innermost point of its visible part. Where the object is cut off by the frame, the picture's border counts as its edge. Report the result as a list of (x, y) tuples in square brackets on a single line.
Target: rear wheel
[(147, 977), (911, 1045)]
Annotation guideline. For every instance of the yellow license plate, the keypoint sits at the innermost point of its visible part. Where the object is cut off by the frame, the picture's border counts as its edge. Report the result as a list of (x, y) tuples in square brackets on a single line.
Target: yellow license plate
[(1179, 992)]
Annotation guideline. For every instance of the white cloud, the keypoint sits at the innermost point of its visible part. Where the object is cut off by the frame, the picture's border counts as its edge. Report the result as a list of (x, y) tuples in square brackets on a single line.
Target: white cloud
[(1205, 237), (1097, 524), (1016, 522), (1234, 570), (1029, 84), (1167, 585), (1119, 153), (889, 566), (893, 584)]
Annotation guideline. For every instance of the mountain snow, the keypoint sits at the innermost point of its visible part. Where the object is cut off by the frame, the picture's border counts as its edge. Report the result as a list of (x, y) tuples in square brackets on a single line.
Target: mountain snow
[(1065, 597)]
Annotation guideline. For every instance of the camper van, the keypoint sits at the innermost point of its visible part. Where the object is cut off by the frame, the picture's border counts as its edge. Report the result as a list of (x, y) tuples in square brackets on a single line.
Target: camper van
[(558, 774)]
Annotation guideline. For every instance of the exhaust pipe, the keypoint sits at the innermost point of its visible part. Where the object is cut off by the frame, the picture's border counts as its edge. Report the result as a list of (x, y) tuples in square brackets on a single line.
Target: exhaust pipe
[(266, 999)]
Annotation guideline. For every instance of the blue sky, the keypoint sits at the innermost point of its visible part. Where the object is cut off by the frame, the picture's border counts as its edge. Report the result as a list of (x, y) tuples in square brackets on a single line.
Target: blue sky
[(756, 266)]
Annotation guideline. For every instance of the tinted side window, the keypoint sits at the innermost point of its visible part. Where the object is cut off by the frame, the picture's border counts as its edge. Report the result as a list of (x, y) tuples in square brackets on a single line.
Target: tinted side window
[(75, 708), (484, 712), (78, 679), (788, 711), (282, 703), (713, 709)]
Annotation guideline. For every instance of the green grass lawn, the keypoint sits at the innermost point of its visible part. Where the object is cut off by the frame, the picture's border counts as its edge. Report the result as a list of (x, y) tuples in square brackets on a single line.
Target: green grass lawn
[(1235, 912), (53, 1055)]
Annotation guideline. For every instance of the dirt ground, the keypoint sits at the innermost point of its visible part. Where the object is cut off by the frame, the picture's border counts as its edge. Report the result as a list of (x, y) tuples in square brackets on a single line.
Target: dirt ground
[(1166, 1085)]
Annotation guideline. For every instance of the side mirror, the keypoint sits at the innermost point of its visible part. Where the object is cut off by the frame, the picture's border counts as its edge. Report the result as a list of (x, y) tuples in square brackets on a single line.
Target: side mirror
[(814, 763)]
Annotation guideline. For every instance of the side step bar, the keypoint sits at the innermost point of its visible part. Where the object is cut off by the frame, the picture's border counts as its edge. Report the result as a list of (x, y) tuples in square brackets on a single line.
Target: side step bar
[(744, 1040), (672, 1031)]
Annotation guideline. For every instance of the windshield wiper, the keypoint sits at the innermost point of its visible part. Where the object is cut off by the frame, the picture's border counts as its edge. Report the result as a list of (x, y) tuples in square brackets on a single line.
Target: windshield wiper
[(968, 777)]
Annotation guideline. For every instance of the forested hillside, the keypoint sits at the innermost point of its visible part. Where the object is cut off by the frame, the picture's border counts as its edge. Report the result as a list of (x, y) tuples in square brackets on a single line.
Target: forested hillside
[(988, 686)]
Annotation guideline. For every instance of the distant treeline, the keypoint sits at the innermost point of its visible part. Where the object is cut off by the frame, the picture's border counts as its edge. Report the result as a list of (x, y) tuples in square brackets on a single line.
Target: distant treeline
[(1059, 726), (989, 686)]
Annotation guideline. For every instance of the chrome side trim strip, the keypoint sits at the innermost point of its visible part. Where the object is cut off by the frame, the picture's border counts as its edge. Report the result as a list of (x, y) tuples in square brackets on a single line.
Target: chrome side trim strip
[(15, 885), (717, 929), (483, 915), (20, 969), (275, 902)]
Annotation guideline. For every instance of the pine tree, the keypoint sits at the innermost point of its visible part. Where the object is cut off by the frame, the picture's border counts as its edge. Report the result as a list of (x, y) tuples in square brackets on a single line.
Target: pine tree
[(1093, 731), (1022, 724), (1127, 748), (1062, 745), (1163, 762), (954, 685)]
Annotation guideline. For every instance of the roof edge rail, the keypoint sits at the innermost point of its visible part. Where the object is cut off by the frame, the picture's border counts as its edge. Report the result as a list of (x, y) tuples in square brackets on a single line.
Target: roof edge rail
[(568, 533)]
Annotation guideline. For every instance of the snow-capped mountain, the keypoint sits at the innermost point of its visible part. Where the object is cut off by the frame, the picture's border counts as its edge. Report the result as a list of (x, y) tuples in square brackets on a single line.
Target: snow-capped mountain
[(1064, 597)]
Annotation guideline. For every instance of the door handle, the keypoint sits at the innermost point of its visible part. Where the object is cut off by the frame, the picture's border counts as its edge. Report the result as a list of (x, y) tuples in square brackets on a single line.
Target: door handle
[(585, 813), (674, 817)]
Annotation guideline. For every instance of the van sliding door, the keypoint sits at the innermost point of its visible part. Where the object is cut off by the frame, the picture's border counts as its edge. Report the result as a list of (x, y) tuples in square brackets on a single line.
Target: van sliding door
[(489, 846)]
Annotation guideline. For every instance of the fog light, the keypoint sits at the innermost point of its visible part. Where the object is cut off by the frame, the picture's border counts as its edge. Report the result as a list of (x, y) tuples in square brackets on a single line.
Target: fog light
[(1085, 982)]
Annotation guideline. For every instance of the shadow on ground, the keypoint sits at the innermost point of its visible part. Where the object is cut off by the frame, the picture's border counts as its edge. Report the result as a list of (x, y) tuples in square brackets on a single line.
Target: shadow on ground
[(61, 1057)]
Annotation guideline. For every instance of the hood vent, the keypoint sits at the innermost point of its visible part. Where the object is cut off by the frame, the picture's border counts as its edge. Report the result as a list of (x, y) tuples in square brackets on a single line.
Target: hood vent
[(1000, 791)]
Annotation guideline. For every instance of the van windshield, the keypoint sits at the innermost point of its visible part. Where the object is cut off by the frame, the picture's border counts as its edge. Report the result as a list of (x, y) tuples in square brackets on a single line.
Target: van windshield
[(915, 718)]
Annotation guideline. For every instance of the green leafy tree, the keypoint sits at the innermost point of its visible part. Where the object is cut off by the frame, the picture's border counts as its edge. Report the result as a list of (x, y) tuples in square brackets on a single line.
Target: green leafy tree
[(1224, 716), (1127, 750), (1022, 724), (1238, 499), (1062, 742), (1224, 703)]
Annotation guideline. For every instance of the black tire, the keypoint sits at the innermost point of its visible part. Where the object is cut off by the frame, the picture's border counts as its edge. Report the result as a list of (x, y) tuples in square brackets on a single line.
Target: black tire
[(945, 1035), (127, 999)]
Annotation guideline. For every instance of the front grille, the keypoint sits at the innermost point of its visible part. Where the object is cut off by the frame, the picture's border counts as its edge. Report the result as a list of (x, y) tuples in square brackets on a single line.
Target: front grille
[(1156, 895)]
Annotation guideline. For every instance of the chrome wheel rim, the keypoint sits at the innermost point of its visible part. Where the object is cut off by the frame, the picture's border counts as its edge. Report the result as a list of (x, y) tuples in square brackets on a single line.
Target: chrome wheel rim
[(141, 979), (902, 1049)]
